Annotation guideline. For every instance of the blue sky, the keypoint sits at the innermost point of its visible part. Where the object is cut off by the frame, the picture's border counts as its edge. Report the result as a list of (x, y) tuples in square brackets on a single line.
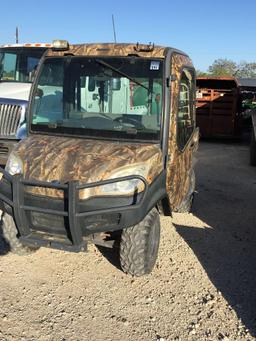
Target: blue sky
[(205, 29)]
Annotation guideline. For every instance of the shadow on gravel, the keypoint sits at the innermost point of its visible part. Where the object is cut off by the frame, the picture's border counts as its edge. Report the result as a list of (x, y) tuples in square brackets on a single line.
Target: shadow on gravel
[(112, 254), (226, 247)]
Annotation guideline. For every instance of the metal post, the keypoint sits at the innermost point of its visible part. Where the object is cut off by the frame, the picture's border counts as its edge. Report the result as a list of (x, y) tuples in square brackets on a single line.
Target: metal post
[(74, 226), (17, 35), (18, 206)]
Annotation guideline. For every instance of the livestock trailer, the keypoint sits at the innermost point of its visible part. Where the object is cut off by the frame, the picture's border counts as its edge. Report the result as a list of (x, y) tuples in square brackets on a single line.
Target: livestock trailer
[(218, 107)]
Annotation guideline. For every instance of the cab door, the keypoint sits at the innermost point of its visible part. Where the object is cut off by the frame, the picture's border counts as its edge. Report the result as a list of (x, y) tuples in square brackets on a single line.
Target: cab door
[(183, 136)]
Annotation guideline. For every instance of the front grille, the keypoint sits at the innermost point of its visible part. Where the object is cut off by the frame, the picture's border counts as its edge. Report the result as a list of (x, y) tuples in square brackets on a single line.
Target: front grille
[(56, 224), (49, 222), (9, 119)]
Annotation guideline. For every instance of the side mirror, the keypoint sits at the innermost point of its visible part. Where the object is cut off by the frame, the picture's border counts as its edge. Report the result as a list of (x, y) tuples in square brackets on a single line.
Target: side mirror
[(116, 84), (91, 84)]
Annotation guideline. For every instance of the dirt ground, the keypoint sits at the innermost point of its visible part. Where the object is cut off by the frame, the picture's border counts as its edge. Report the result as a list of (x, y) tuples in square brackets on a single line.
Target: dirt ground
[(202, 288)]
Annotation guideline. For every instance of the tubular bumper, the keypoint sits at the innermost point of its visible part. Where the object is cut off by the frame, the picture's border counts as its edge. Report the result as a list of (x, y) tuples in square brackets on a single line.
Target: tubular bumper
[(67, 223)]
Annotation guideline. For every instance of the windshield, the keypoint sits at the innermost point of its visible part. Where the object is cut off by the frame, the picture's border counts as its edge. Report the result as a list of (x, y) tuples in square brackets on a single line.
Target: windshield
[(19, 65), (99, 97)]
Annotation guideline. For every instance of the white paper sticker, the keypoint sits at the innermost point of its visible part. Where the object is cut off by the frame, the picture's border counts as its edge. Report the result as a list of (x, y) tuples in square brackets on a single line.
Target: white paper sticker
[(154, 65), (199, 94)]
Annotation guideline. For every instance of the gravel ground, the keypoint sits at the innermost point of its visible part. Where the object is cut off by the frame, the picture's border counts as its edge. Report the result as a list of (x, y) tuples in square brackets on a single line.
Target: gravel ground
[(202, 288)]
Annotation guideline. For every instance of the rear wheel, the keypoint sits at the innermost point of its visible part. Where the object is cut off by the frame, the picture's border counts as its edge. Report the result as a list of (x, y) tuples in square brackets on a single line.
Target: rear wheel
[(253, 149), (139, 245), (10, 235)]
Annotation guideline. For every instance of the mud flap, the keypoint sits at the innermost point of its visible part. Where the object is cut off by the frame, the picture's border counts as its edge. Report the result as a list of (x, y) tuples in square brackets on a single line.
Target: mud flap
[(188, 200)]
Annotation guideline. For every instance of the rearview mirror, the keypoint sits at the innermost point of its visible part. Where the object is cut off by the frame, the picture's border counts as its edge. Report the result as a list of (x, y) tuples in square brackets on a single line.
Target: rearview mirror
[(116, 84), (91, 84)]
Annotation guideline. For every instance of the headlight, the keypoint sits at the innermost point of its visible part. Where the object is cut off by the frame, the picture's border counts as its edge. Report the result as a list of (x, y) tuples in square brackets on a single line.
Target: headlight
[(14, 164), (126, 187), (122, 187)]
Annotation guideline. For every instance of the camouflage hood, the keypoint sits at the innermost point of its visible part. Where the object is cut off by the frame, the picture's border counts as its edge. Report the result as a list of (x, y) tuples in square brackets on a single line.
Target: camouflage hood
[(48, 158)]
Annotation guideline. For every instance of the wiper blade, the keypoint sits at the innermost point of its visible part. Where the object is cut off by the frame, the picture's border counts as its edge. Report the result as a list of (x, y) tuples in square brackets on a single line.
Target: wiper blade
[(99, 61), (54, 125)]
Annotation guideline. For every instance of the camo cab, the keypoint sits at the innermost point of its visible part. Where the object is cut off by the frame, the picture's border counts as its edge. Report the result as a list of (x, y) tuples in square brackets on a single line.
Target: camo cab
[(111, 137)]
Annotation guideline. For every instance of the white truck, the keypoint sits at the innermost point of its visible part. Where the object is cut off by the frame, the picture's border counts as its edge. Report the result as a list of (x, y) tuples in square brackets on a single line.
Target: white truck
[(18, 63)]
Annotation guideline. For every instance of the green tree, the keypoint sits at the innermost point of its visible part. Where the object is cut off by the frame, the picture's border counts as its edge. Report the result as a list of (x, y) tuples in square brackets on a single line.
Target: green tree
[(200, 73), (226, 67), (246, 70), (223, 67)]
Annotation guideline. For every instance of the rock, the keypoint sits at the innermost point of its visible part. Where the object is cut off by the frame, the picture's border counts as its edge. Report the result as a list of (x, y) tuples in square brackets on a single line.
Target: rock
[(160, 338), (125, 322), (222, 337)]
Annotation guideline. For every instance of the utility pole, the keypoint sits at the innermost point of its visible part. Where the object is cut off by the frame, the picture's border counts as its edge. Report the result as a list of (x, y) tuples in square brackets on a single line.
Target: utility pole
[(17, 35), (114, 30)]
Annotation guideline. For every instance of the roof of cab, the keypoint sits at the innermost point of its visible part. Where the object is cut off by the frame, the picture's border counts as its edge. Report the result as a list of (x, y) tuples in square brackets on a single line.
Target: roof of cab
[(45, 45), (111, 49)]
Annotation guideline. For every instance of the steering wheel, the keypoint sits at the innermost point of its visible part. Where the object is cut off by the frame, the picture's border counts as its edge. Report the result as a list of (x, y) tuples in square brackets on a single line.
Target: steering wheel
[(130, 120)]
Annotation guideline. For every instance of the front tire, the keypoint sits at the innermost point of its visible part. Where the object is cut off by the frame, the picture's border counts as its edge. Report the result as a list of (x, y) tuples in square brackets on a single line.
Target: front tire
[(139, 245), (10, 235)]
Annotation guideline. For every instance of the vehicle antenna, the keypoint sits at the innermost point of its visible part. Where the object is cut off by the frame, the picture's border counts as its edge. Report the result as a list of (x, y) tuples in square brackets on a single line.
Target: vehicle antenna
[(17, 35), (114, 30)]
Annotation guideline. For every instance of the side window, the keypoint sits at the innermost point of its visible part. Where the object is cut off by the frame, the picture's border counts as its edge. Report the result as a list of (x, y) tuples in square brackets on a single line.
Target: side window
[(49, 93), (32, 63), (9, 69), (185, 118)]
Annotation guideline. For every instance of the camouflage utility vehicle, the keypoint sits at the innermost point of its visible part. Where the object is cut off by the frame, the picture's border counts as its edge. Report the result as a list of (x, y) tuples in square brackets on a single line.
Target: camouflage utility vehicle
[(109, 148)]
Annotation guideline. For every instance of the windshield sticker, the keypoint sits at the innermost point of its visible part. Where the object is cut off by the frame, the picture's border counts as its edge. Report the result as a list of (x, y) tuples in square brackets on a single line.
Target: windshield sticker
[(154, 65)]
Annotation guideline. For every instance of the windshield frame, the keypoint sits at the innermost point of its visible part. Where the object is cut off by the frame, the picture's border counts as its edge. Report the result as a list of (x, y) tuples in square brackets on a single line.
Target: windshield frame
[(19, 51), (99, 134)]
